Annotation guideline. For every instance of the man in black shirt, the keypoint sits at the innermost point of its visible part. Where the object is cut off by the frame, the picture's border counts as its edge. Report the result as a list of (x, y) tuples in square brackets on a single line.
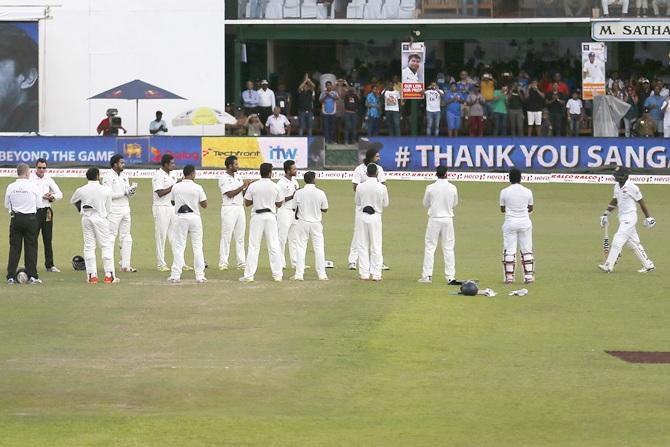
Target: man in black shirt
[(351, 106), (306, 106), (556, 106), (534, 106)]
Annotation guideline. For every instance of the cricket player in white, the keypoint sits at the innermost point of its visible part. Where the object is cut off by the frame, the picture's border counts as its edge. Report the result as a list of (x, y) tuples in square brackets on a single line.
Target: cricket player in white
[(163, 211), (360, 176), (626, 197), (288, 186), (440, 198), (233, 218), (119, 217), (264, 197), (188, 197), (516, 201), (94, 203), (371, 199), (310, 203)]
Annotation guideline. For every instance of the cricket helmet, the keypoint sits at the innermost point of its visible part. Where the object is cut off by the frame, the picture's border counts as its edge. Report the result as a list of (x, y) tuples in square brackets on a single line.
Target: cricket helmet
[(621, 172), (469, 288), (78, 263)]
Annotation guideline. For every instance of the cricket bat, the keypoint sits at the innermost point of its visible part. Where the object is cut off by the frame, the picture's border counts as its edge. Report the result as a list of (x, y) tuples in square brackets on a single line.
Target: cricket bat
[(606, 243)]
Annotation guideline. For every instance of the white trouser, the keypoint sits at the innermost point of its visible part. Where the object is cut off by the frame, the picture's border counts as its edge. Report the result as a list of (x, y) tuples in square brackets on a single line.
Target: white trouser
[(233, 224), (666, 132), (440, 228), (264, 224), (304, 231), (353, 248), (163, 219), (119, 224), (369, 236), (641, 3), (606, 3), (286, 229), (518, 231), (96, 232), (183, 225), (627, 233)]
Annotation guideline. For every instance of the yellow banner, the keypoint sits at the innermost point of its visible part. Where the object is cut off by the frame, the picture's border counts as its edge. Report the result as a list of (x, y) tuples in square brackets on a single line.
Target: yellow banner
[(215, 150)]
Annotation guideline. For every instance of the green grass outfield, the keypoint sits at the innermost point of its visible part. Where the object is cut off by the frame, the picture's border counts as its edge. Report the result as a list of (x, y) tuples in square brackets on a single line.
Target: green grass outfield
[(344, 362)]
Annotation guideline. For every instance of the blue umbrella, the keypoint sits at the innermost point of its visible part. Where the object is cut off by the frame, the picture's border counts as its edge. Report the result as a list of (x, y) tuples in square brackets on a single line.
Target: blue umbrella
[(136, 90)]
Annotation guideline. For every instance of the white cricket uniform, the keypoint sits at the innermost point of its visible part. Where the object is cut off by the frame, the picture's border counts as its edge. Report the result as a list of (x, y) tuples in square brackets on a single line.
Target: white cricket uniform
[(119, 216), (310, 201), (627, 197), (233, 220), (593, 72), (264, 193), (189, 194), (440, 198), (517, 230), (360, 176), (163, 213), (370, 257), (96, 205), (286, 220)]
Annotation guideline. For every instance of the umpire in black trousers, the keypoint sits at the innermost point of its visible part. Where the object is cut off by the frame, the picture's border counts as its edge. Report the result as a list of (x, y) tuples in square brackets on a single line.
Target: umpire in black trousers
[(22, 199)]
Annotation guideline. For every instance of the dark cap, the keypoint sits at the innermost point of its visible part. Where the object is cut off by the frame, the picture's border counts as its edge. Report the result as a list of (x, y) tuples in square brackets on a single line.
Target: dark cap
[(16, 45), (621, 171), (592, 54)]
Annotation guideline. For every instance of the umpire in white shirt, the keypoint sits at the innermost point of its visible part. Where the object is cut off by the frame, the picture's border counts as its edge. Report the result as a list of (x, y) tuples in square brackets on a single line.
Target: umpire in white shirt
[(49, 192), (264, 197), (310, 203), (119, 217), (22, 199), (188, 197), (371, 199), (440, 198), (286, 214), (233, 218), (94, 203)]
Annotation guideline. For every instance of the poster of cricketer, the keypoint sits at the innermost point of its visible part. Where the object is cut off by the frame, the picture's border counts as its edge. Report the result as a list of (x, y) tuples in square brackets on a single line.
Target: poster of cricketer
[(413, 55), (594, 57)]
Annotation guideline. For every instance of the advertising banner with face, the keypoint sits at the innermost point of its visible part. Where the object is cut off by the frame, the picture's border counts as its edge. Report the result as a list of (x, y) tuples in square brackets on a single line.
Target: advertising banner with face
[(594, 57), (413, 55)]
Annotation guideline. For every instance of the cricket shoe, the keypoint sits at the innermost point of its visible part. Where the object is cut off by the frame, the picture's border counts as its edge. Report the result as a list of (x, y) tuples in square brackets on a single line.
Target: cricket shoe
[(34, 281), (129, 269), (529, 280), (352, 266), (111, 279), (92, 280), (201, 280), (323, 278), (174, 280), (454, 282), (247, 279), (376, 278), (164, 268), (11, 281), (187, 268), (223, 267), (605, 268), (277, 279), (385, 267), (297, 278), (425, 279), (53, 269), (647, 269)]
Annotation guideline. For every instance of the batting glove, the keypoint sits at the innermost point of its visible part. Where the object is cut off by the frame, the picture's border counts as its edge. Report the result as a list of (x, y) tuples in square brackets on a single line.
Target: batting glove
[(650, 222), (603, 220)]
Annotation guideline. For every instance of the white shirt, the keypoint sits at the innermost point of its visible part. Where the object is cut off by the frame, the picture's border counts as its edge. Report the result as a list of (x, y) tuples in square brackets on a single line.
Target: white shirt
[(516, 198), (433, 98), (228, 183), (264, 194), (627, 197), (372, 194), (392, 100), (440, 198), (267, 98), (288, 188), (119, 184), (574, 106), (409, 76), (189, 193), (361, 174), (593, 72), (666, 114), (95, 196), (155, 125), (310, 201), (23, 197), (277, 124), (44, 185), (161, 180)]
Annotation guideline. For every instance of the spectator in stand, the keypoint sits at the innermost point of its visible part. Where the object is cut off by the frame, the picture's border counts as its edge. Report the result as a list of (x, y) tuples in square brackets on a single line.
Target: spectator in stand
[(392, 105), (453, 100), (563, 88), (475, 7), (515, 110), (158, 126), (645, 126), (476, 102), (654, 104), (464, 84), (644, 91), (351, 106), (613, 80), (277, 124), (373, 115), (655, 5), (644, 4), (665, 108), (433, 99), (488, 88), (523, 80), (306, 106), (534, 107), (629, 118), (283, 100), (106, 129), (616, 92), (575, 110), (556, 106), (250, 99), (266, 101), (546, 129), (327, 100), (341, 87), (254, 125), (500, 99), (624, 7), (577, 8)]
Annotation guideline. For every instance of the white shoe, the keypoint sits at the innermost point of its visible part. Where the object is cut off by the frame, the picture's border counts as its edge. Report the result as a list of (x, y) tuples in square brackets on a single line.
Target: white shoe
[(297, 278), (376, 278), (187, 268), (164, 268), (174, 280), (385, 267), (53, 269), (247, 279), (11, 281), (323, 278), (223, 267), (352, 266), (364, 278), (277, 278), (241, 266), (34, 280), (529, 279), (201, 280), (647, 269), (426, 279), (605, 268)]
